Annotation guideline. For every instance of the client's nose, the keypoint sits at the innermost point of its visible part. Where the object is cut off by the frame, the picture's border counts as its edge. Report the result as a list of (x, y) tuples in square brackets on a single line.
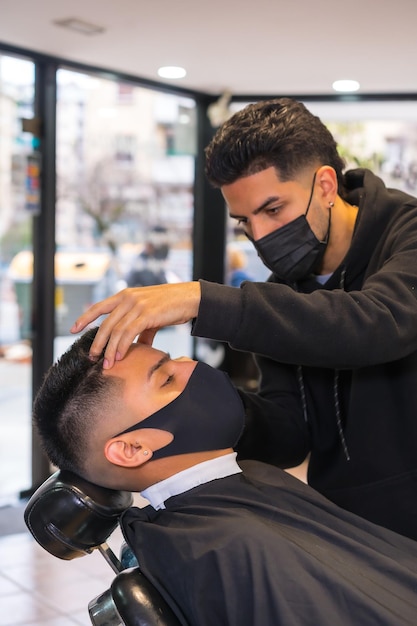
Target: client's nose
[(185, 367)]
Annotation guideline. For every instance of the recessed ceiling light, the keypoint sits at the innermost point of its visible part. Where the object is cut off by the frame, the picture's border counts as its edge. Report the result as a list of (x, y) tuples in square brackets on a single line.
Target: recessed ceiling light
[(171, 71), (85, 28), (346, 85)]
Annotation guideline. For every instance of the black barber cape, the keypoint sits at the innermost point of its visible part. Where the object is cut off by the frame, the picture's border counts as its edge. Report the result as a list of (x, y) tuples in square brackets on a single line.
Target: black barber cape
[(262, 548)]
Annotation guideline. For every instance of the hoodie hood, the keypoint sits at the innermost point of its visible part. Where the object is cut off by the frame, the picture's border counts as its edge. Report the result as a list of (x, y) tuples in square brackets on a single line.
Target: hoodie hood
[(376, 204)]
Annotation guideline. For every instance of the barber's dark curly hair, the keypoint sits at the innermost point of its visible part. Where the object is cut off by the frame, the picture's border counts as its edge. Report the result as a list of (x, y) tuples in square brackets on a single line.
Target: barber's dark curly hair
[(278, 133), (73, 395)]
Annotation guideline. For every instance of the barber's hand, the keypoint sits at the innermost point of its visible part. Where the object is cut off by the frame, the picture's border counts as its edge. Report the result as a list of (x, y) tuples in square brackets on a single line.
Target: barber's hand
[(138, 311)]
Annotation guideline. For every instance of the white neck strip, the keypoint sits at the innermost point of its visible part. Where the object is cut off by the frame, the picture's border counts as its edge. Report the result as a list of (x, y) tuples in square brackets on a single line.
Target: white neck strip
[(199, 474)]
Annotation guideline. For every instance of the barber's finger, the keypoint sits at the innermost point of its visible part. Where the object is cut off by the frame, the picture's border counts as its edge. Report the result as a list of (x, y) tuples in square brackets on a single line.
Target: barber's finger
[(118, 337), (95, 311), (109, 334), (147, 336)]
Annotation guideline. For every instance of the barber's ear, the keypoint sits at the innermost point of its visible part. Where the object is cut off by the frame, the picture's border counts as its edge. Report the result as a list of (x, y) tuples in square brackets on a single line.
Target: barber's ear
[(126, 451)]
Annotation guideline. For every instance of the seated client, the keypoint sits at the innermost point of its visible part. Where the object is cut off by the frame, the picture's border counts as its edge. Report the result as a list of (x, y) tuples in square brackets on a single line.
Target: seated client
[(226, 543)]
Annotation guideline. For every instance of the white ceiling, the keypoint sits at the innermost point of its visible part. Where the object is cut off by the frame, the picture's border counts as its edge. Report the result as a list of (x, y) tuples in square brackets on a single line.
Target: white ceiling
[(259, 47)]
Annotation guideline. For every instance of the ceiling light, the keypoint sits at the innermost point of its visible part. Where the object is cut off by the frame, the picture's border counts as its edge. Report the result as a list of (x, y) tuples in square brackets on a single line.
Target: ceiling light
[(346, 85), (171, 71), (85, 28)]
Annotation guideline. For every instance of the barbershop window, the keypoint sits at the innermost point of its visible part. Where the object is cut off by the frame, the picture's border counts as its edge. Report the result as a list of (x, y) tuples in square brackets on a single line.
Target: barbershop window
[(124, 211), (19, 178), (381, 136)]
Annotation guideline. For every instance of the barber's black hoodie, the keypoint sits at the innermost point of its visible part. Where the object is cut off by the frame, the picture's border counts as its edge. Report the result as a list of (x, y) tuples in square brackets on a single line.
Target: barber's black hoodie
[(338, 362)]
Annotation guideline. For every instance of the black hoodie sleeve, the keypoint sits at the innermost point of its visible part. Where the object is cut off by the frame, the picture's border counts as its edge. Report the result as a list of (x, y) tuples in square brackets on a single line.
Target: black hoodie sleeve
[(326, 328), (275, 430)]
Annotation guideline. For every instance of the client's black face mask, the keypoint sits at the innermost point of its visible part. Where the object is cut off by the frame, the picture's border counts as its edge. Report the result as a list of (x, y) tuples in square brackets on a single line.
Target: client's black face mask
[(293, 251), (208, 415)]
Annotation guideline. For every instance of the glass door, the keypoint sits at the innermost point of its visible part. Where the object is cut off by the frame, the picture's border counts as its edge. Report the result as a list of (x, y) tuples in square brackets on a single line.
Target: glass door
[(124, 212), (19, 179)]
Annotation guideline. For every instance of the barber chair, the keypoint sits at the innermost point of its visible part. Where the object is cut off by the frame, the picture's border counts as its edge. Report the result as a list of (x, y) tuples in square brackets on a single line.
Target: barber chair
[(70, 517)]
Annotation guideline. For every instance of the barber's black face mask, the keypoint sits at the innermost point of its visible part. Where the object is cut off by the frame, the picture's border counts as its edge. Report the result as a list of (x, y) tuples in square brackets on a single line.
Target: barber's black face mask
[(207, 415), (293, 251)]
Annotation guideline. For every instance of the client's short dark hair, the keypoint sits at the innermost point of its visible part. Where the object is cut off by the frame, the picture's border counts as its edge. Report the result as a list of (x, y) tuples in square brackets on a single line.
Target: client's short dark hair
[(280, 133), (66, 408)]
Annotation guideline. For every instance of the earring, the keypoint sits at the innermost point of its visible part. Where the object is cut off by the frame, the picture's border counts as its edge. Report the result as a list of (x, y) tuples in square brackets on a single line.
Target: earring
[(145, 452), (331, 205)]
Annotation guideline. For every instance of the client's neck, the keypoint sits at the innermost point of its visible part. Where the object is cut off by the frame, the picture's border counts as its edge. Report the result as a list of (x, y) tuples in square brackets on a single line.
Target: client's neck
[(154, 472)]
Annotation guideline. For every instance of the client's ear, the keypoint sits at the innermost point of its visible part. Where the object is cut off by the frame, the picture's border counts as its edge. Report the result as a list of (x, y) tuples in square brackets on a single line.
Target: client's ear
[(126, 451)]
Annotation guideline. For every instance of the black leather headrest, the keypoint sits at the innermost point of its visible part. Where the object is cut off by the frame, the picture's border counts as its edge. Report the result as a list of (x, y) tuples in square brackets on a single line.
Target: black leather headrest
[(69, 516)]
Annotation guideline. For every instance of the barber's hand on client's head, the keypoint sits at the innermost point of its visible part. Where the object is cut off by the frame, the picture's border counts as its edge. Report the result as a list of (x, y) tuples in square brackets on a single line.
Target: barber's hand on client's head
[(138, 312)]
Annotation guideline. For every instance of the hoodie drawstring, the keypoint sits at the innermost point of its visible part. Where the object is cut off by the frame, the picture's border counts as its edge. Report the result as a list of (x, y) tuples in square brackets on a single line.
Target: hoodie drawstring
[(339, 414), (336, 396)]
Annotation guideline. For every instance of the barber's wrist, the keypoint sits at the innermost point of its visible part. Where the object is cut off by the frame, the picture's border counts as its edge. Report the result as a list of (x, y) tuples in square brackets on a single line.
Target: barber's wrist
[(192, 298)]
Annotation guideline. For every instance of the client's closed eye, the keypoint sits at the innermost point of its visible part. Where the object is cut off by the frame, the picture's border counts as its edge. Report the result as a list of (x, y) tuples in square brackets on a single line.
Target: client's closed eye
[(168, 380)]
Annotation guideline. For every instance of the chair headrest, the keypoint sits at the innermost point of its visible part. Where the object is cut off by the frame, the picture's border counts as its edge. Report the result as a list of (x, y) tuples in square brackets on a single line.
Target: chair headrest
[(69, 516)]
